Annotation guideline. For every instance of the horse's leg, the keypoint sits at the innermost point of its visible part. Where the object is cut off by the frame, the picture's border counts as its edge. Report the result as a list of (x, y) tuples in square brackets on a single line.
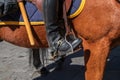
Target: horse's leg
[(43, 61), (35, 58), (95, 58)]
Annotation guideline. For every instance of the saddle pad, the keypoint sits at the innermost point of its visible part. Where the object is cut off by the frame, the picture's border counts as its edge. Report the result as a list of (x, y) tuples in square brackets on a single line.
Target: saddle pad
[(34, 15)]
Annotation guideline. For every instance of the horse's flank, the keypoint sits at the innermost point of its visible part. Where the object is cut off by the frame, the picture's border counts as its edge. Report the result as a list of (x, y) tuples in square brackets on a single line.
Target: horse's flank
[(98, 19), (17, 35)]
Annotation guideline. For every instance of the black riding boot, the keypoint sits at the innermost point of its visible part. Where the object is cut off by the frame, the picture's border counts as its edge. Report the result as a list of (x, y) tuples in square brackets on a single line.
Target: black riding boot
[(53, 28)]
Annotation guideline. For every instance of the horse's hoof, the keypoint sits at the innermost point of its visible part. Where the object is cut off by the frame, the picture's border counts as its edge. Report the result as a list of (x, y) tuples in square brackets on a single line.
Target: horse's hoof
[(44, 71)]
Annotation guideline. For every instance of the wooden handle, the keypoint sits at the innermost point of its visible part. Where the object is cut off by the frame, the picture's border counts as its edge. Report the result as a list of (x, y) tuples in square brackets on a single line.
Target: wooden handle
[(27, 23)]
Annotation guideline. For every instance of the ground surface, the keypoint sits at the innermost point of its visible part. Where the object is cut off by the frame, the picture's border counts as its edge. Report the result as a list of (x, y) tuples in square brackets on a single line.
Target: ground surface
[(14, 65)]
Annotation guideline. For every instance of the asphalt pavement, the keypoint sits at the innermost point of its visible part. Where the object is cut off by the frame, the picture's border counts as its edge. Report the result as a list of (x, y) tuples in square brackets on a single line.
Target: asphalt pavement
[(14, 65)]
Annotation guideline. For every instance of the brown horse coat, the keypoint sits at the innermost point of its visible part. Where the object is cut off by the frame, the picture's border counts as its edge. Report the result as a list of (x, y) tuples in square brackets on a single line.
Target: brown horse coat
[(98, 25)]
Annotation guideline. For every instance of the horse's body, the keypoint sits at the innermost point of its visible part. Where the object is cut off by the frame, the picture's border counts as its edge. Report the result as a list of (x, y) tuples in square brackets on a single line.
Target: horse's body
[(98, 25), (17, 35)]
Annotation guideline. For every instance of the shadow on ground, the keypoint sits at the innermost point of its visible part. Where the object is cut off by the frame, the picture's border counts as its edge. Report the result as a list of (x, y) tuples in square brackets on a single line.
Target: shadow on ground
[(70, 70), (76, 71)]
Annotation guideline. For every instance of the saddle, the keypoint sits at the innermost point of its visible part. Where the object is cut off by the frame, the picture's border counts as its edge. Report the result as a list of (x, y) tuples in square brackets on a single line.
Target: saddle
[(67, 7)]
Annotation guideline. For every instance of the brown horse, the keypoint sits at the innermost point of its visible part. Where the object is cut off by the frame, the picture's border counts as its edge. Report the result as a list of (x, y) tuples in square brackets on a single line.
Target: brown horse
[(98, 25)]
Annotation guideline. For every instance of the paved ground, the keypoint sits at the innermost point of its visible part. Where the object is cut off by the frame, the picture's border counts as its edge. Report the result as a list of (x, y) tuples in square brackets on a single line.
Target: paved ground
[(14, 65)]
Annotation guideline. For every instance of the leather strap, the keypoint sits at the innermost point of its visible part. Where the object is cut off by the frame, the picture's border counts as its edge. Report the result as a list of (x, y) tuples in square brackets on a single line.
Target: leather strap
[(68, 4), (69, 30)]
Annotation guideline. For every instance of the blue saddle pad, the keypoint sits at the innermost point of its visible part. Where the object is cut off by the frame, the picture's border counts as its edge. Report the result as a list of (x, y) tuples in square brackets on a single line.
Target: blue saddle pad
[(34, 14)]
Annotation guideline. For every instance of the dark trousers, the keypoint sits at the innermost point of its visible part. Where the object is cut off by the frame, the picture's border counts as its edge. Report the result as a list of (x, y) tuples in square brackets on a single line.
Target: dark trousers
[(8, 6)]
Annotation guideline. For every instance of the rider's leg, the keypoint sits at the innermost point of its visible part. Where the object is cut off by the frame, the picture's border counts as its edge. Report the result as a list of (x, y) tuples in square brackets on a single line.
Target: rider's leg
[(53, 29), (8, 7)]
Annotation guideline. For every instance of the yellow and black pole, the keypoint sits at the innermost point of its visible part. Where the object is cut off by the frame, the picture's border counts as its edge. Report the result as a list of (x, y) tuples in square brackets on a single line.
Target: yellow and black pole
[(27, 23)]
